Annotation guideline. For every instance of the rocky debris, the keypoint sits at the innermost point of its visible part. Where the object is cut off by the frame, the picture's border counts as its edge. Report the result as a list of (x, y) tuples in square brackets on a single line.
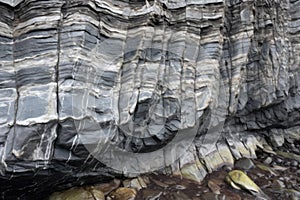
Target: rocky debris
[(137, 183), (279, 184), (149, 194), (244, 163), (192, 172), (266, 168), (272, 181), (106, 188), (159, 183), (239, 180), (214, 187), (88, 193), (289, 155), (82, 79), (293, 194), (268, 160), (97, 194), (268, 149), (123, 193)]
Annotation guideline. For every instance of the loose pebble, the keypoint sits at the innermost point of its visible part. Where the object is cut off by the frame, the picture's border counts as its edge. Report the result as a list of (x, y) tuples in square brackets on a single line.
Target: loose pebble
[(268, 160)]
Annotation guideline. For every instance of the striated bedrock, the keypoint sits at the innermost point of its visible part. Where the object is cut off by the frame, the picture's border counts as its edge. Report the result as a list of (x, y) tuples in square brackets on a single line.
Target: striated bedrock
[(98, 88)]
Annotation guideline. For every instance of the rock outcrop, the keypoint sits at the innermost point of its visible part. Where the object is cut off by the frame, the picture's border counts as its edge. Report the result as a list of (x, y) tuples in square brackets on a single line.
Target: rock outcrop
[(94, 89)]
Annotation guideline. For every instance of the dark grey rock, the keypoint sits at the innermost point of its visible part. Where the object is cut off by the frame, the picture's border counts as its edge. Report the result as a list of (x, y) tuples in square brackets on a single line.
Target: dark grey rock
[(244, 163), (79, 77)]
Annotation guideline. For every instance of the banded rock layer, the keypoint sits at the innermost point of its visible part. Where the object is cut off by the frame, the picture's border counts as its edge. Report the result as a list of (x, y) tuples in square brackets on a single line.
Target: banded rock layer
[(76, 74)]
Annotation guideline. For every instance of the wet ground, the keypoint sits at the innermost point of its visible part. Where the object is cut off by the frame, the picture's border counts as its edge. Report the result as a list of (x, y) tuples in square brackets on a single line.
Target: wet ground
[(275, 184), (276, 173), (277, 176)]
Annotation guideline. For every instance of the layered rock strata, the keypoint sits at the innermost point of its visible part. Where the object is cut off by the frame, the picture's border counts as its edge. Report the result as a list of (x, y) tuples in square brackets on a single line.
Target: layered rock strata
[(78, 75)]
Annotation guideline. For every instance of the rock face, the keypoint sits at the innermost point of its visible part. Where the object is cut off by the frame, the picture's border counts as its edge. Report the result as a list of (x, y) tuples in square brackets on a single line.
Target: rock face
[(93, 89)]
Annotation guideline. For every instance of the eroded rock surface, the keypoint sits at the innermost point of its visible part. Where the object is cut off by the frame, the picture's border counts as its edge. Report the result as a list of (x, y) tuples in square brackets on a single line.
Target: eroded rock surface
[(77, 75)]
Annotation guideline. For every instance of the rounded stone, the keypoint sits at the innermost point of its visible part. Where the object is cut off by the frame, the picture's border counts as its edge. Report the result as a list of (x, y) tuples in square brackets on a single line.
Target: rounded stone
[(123, 193), (268, 160), (294, 163)]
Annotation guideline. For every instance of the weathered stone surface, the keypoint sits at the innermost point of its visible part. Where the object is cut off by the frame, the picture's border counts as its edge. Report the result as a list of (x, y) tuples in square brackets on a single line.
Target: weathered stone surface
[(214, 187), (106, 188), (244, 163), (78, 194), (77, 77), (240, 180), (123, 193)]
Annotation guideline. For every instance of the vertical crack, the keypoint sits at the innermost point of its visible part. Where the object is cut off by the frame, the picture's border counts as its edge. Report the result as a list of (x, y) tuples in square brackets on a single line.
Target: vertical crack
[(58, 51), (13, 63)]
